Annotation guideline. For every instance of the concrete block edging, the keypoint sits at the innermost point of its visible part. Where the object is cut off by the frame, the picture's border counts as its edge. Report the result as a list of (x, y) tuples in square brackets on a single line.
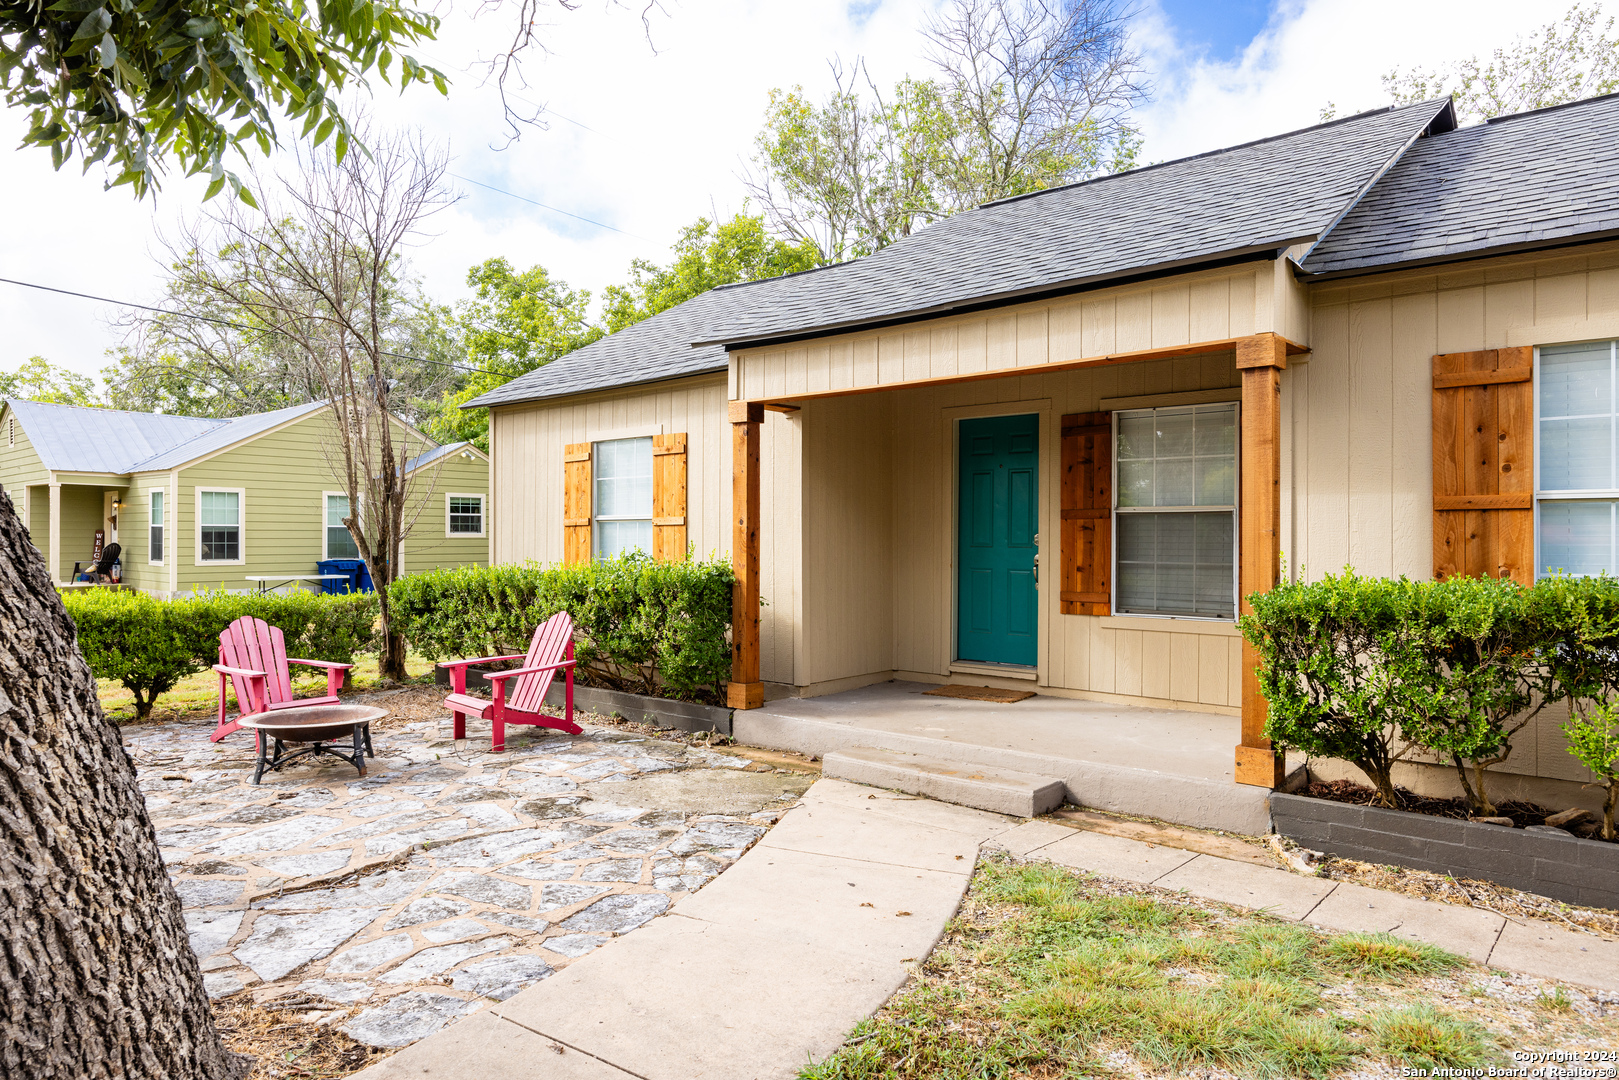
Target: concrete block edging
[(1566, 867)]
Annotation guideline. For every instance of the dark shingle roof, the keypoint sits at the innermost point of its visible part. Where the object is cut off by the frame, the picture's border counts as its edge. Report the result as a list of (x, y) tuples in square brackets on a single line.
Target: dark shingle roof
[(1528, 179), (1261, 195), (1256, 197), (649, 351)]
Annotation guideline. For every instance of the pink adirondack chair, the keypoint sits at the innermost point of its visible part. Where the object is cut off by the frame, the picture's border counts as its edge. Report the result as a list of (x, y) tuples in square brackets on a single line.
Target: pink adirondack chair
[(550, 651), (253, 656)]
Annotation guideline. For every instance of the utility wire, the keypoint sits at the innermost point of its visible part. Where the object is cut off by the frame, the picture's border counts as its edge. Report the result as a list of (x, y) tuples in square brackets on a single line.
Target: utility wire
[(554, 210), (234, 325)]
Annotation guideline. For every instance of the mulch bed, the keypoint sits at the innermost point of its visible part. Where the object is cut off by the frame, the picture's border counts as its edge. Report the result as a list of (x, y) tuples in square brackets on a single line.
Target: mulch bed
[(1523, 814), (283, 1044)]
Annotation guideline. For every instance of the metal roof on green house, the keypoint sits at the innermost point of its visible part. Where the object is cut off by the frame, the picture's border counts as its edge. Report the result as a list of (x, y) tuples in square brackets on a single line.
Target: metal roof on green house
[(74, 438)]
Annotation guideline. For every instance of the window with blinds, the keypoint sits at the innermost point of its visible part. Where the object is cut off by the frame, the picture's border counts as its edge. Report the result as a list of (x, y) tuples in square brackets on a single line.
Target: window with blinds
[(154, 554), (1175, 511), (623, 497), (339, 541), (1577, 481)]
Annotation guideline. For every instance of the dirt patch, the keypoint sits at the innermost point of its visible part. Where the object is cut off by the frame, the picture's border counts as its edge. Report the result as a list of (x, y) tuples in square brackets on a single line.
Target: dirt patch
[(287, 1042)]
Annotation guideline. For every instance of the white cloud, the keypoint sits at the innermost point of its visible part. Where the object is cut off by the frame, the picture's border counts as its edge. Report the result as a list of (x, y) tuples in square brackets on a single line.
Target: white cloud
[(672, 127)]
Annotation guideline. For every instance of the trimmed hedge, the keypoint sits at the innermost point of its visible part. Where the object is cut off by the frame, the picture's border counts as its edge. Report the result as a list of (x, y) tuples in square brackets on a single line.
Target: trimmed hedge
[(640, 626), (1375, 670), (149, 645)]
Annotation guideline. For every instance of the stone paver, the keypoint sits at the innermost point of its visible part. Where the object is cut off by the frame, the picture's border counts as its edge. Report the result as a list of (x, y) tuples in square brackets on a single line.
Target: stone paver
[(448, 878)]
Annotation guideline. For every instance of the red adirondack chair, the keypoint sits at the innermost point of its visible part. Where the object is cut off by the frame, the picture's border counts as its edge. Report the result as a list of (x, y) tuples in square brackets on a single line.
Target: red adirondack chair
[(253, 656), (550, 651)]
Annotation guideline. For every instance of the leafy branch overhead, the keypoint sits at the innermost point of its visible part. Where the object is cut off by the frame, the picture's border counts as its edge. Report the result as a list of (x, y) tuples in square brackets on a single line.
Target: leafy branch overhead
[(134, 84)]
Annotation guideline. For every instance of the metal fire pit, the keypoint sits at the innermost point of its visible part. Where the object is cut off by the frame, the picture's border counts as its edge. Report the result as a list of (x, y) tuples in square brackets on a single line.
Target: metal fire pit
[(310, 730)]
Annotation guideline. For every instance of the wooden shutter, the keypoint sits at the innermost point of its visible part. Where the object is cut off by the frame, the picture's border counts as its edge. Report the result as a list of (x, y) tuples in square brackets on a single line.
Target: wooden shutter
[(576, 487), (669, 497), (1087, 514), (1483, 464)]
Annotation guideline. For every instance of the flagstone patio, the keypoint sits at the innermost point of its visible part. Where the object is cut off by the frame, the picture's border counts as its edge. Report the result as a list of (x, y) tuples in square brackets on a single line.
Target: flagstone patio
[(448, 877)]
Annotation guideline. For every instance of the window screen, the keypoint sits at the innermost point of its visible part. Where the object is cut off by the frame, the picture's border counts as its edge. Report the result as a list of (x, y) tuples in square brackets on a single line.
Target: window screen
[(155, 529), (466, 515), (221, 523), (339, 542), (623, 502), (1577, 458), (1175, 517)]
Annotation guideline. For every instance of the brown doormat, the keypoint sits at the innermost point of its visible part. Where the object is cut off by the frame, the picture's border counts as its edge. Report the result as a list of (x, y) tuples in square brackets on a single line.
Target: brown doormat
[(980, 693)]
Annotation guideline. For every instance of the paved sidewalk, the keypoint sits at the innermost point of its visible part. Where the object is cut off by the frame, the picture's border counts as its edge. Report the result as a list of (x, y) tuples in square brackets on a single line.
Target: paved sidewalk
[(1482, 936), (764, 970)]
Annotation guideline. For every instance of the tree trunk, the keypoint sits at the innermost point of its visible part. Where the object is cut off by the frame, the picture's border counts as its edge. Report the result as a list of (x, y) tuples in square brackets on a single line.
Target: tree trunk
[(1381, 773), (97, 978), (1608, 806)]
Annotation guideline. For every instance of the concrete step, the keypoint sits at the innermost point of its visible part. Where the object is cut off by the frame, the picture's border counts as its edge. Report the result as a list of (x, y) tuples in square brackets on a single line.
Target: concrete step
[(1001, 791)]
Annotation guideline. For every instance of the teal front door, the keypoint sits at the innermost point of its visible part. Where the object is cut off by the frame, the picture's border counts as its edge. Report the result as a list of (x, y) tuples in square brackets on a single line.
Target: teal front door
[(1000, 512)]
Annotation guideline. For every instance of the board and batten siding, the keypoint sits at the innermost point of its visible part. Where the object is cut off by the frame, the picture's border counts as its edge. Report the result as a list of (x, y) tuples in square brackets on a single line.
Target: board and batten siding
[(1214, 305), (1360, 412), (527, 445), (879, 541)]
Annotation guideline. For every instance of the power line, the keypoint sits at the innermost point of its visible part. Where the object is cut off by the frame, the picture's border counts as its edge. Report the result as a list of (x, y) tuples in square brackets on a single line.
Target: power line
[(554, 210), (229, 323)]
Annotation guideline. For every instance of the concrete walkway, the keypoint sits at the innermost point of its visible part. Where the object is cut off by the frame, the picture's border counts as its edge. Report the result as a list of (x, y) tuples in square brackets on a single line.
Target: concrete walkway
[(1533, 948), (763, 971), (770, 966)]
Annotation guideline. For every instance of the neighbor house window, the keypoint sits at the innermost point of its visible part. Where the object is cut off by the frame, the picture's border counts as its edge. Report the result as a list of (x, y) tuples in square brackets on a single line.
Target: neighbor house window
[(219, 526), (1175, 519), (155, 529), (1577, 459), (339, 541), (623, 500), (466, 515)]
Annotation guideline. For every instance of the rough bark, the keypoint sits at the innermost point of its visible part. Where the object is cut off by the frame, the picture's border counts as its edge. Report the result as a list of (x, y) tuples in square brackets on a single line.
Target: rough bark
[(97, 977)]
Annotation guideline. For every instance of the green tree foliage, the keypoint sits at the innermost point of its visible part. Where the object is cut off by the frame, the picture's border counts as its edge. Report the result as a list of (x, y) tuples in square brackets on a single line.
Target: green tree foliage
[(1562, 61), (645, 627), (515, 322), (134, 85), (1030, 94), (706, 255), (1575, 620), (37, 379)]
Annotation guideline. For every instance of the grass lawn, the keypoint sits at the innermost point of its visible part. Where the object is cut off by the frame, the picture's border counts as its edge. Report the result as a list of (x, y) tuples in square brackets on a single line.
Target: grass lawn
[(1050, 973), (199, 693)]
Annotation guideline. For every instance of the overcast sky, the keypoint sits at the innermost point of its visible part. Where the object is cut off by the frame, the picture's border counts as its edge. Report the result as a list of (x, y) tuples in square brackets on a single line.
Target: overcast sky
[(645, 136)]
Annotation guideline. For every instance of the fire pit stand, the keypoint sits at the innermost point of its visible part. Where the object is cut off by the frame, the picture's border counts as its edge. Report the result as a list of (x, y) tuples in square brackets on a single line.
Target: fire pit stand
[(312, 731)]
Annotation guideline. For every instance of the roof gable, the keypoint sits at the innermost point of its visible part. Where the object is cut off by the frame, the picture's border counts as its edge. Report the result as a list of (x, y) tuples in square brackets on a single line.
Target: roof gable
[(227, 434), (1530, 179)]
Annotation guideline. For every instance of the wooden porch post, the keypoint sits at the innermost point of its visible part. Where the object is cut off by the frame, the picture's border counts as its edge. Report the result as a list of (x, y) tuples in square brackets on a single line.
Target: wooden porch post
[(1260, 359), (55, 542), (745, 690)]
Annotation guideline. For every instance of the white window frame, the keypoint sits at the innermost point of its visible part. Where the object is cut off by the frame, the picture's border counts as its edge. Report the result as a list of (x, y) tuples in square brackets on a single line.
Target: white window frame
[(483, 515), (151, 513), (1576, 495), (325, 540), (1235, 510), (241, 527), (595, 457)]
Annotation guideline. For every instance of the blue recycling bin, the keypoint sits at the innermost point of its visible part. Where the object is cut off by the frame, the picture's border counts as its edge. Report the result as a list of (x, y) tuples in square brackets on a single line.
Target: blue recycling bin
[(359, 576)]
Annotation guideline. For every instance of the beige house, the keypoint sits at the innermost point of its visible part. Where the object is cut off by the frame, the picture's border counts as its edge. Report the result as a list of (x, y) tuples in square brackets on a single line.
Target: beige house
[(1049, 443), (200, 503)]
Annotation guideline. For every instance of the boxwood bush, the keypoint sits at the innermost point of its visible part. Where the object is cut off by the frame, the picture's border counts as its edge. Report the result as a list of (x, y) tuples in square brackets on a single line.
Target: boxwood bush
[(641, 626), (149, 645), (1375, 671)]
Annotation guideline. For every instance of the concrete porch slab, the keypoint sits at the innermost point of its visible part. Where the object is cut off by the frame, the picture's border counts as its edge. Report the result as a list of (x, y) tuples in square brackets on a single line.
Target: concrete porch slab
[(1163, 763)]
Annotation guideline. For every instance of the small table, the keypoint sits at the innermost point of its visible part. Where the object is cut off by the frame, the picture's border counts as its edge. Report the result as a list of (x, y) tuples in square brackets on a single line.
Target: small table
[(264, 580), (310, 728)]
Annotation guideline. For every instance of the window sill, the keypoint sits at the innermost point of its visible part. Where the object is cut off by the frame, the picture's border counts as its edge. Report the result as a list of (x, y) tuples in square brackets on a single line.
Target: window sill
[(1170, 625)]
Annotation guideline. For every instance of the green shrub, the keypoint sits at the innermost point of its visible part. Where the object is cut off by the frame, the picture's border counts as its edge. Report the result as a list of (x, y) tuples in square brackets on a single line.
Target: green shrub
[(642, 626), (149, 645), (1376, 670)]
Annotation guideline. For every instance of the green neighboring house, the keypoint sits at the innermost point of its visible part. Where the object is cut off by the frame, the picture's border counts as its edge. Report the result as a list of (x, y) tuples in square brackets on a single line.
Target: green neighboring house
[(206, 503)]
